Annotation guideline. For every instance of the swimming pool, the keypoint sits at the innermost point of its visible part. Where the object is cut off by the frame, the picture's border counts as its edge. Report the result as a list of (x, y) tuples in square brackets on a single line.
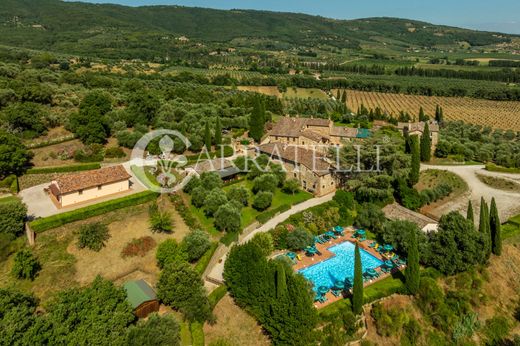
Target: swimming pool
[(338, 267)]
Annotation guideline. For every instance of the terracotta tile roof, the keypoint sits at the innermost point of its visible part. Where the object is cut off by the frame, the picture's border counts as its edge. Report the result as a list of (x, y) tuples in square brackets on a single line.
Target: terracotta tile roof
[(288, 127), (84, 180), (341, 131), (317, 122), (418, 126), (395, 212), (212, 165), (294, 154), (317, 137)]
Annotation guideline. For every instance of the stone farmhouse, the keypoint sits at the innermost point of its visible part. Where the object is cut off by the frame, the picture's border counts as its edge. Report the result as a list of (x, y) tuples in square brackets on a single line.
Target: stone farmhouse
[(417, 128), (310, 168), (72, 189)]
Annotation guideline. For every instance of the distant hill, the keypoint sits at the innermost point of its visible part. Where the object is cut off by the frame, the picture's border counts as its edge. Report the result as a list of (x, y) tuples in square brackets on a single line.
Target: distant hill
[(76, 27)]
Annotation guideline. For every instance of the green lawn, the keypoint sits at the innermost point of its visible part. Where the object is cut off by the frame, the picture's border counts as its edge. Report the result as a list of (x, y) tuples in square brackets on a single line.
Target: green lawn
[(8, 199), (511, 228), (249, 214)]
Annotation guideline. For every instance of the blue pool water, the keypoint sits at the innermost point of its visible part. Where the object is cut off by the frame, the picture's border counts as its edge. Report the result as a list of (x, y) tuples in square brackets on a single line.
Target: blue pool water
[(338, 267)]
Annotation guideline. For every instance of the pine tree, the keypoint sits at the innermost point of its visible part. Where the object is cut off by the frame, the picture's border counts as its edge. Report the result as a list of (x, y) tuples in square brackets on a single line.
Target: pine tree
[(416, 161), (495, 228), (207, 137), (469, 214), (257, 121), (483, 227), (218, 133), (426, 144), (357, 295), (412, 273)]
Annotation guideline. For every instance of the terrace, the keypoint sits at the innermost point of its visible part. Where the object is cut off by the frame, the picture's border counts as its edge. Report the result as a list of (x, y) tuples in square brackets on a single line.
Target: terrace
[(384, 263)]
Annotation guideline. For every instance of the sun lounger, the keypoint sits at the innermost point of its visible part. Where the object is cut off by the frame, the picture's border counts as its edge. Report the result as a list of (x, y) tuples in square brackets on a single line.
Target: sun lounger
[(372, 244), (336, 293)]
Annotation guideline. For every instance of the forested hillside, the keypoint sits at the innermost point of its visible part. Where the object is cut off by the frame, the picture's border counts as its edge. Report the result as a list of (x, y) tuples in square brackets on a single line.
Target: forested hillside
[(144, 31)]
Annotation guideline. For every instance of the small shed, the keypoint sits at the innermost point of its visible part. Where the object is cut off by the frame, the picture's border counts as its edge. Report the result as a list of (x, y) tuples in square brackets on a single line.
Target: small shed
[(141, 297)]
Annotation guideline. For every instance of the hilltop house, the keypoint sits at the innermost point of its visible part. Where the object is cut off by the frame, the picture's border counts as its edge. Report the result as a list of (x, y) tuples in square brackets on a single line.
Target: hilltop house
[(313, 171), (417, 128), (85, 186)]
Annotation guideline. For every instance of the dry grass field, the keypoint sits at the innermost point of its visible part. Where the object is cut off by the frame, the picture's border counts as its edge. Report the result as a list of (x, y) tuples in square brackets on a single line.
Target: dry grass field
[(497, 114)]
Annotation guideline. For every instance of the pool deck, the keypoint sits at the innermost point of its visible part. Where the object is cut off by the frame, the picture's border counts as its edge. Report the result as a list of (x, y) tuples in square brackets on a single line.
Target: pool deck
[(307, 261)]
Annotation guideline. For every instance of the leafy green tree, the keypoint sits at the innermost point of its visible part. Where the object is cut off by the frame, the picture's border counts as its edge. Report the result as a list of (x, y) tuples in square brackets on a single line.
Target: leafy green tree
[(484, 228), (26, 265), (196, 243), (214, 200), (26, 118), (495, 228), (291, 186), (170, 251), (263, 200), (280, 173), (299, 239), (265, 242), (370, 217), (12, 216), (240, 194), (257, 121), (456, 246), (218, 133), (470, 215), (198, 196), (143, 107), (412, 268), (357, 290), (416, 160), (93, 236), (207, 137), (17, 316), (211, 180), (90, 124), (426, 144), (266, 182), (399, 234), (227, 218), (181, 287), (155, 331), (14, 156), (98, 313), (192, 183)]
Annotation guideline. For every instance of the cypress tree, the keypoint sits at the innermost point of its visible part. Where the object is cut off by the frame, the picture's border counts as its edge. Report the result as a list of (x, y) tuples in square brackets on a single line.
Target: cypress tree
[(257, 120), (207, 137), (495, 228), (416, 161), (426, 144), (281, 282), (357, 295), (412, 273), (422, 116), (218, 133), (469, 214), (441, 115), (344, 97), (483, 227), (338, 95)]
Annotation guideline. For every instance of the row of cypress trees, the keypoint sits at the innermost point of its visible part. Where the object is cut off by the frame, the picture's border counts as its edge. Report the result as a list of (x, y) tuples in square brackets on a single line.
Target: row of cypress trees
[(489, 226), (218, 135)]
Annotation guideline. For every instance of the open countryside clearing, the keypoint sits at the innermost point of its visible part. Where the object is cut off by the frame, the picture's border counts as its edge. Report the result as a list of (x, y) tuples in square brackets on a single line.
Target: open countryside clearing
[(497, 114)]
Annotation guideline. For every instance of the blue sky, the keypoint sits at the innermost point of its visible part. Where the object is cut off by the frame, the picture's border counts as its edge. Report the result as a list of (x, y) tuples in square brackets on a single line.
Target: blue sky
[(497, 15)]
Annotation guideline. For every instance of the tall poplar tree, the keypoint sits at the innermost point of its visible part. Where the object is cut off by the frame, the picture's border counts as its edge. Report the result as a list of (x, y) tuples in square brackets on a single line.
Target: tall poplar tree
[(495, 227), (357, 294), (412, 273), (426, 144), (416, 160)]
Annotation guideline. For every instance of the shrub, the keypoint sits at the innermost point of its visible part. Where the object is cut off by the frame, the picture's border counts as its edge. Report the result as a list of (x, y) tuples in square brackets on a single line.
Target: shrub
[(161, 221), (264, 242), (268, 215), (197, 334), (496, 330), (26, 265), (198, 195), (44, 224), (155, 330), (91, 153), (280, 234), (64, 169), (263, 200), (195, 244), (203, 262), (299, 239), (114, 152), (138, 247), (389, 321), (291, 186), (12, 216), (216, 295), (93, 236), (169, 251)]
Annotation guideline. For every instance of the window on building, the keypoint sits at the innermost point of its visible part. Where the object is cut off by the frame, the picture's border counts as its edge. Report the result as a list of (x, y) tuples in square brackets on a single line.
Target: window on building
[(80, 192), (99, 187)]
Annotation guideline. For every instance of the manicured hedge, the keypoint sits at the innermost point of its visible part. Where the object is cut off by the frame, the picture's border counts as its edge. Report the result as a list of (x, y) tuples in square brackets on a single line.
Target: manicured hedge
[(266, 216), (496, 168), (64, 169), (44, 224), (203, 262), (217, 294), (197, 334), (51, 142)]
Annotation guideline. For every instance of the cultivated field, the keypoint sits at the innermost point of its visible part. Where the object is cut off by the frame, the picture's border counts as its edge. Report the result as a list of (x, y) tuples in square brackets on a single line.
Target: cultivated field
[(498, 114)]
